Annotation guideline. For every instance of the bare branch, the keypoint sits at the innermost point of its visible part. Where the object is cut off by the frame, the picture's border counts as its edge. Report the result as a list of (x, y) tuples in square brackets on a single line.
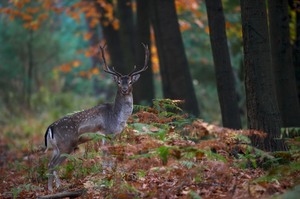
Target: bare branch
[(70, 194)]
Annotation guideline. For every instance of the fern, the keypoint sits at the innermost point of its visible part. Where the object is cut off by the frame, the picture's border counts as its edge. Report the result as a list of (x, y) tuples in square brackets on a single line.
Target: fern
[(167, 105), (137, 108), (187, 164)]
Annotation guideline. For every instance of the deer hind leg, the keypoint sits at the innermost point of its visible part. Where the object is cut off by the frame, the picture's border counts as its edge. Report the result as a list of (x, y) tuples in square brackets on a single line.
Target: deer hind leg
[(51, 166), (57, 160)]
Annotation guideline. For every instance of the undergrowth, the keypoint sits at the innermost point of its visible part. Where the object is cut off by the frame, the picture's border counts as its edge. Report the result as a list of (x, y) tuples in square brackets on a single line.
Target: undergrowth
[(165, 153)]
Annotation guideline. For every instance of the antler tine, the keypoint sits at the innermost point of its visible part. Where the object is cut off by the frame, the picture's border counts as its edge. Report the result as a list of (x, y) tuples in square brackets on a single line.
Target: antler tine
[(145, 64), (107, 68)]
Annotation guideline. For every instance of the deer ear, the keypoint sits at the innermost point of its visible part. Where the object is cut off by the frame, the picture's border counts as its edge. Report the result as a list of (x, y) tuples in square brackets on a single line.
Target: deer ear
[(135, 77), (116, 79)]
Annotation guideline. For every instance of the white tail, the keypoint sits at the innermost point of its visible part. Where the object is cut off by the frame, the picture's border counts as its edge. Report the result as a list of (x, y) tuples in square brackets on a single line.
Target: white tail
[(64, 135)]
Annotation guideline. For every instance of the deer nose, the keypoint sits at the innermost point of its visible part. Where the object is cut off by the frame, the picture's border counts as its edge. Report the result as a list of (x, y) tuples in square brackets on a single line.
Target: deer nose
[(124, 90)]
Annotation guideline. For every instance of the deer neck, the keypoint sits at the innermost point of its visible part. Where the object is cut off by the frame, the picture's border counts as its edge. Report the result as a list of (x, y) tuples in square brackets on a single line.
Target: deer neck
[(123, 106)]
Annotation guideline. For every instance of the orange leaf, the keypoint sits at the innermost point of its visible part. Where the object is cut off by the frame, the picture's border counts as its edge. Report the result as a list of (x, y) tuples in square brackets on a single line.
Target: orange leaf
[(58, 10), (82, 74), (206, 29), (95, 71), (35, 26), (184, 25), (116, 24), (47, 4), (87, 53), (93, 22), (65, 68), (11, 17), (42, 16), (26, 25), (154, 60), (87, 36), (76, 63), (75, 16), (32, 10), (228, 24), (27, 17)]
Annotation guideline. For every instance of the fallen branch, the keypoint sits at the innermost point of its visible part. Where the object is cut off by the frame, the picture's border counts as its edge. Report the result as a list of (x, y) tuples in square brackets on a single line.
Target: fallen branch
[(70, 194)]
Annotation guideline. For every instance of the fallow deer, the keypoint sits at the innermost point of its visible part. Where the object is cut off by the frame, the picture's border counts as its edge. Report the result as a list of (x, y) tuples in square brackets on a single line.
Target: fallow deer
[(65, 134)]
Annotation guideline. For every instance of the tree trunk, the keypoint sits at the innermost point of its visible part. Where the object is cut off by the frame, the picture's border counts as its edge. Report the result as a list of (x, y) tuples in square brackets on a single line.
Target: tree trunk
[(282, 62), (29, 77), (176, 77), (144, 90), (112, 38), (262, 110), (296, 51), (224, 74), (127, 35)]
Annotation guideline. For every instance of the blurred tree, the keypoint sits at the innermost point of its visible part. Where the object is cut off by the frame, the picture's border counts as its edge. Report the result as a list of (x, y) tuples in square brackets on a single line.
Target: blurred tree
[(110, 29), (262, 110), (29, 70), (127, 35), (295, 6), (144, 90), (224, 74), (282, 62), (176, 77)]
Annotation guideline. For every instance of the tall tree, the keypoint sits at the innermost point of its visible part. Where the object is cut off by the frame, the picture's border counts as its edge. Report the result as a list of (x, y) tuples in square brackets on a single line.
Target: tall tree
[(144, 91), (29, 70), (111, 35), (295, 5), (224, 74), (176, 77), (262, 110), (282, 62), (127, 34)]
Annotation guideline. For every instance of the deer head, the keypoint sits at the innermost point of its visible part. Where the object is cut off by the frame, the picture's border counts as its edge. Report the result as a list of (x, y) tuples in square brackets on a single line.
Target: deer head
[(125, 82)]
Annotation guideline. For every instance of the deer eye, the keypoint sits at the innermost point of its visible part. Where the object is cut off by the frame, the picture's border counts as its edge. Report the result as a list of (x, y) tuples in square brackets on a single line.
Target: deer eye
[(130, 82)]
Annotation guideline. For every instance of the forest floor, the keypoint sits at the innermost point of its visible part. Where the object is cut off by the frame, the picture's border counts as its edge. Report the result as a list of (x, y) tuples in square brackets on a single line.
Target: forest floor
[(158, 155)]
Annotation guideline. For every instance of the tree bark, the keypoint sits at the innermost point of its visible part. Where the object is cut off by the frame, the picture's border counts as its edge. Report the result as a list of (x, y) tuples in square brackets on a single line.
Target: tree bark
[(224, 74), (262, 110), (144, 90), (112, 38), (176, 77), (127, 35), (296, 51), (282, 62)]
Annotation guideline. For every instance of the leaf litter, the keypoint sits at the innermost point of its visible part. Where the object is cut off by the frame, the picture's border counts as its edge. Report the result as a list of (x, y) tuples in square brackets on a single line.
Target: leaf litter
[(158, 155)]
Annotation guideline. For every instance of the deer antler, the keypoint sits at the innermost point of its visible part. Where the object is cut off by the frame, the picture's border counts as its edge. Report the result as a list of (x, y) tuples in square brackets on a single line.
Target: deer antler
[(145, 64), (107, 69)]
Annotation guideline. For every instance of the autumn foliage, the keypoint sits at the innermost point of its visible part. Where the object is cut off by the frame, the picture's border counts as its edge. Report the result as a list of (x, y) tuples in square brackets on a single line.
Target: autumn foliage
[(163, 154)]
